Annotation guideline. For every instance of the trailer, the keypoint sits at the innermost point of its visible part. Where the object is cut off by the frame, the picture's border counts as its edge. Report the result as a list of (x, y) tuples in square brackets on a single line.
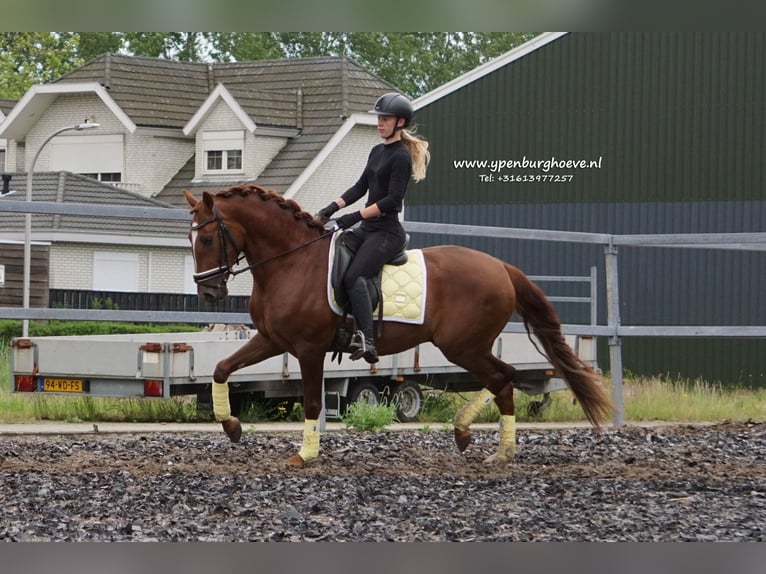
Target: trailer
[(173, 364)]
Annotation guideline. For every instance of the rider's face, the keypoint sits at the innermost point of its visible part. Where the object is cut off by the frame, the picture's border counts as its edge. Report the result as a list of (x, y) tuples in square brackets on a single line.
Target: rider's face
[(387, 126)]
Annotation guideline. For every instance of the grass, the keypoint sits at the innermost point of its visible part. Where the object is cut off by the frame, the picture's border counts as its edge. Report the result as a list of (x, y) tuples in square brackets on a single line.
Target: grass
[(645, 399)]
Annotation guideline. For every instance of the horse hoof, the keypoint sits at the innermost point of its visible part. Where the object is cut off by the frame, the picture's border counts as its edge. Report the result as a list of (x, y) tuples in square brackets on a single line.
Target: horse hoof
[(497, 458), (494, 459), (462, 439), (233, 429), (296, 461)]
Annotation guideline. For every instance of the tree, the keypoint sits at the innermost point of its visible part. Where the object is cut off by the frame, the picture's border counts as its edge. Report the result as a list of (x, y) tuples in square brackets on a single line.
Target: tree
[(245, 46), (94, 44), (413, 62), (28, 58), (182, 46)]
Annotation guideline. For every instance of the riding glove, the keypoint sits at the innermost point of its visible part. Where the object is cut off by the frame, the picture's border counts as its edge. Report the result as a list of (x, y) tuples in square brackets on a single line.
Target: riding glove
[(325, 213), (349, 220)]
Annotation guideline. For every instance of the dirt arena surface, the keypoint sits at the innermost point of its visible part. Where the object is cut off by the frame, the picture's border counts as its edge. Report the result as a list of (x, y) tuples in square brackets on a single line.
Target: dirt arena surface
[(670, 483)]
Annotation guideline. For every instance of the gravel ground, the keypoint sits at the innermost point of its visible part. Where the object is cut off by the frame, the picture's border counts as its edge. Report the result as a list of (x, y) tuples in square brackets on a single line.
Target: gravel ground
[(678, 483)]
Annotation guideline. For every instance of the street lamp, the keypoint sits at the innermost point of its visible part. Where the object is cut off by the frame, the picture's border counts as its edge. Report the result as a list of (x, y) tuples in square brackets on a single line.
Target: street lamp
[(28, 217)]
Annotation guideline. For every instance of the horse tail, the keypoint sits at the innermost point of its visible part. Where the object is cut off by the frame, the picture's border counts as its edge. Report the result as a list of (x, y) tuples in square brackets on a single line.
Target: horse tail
[(537, 312)]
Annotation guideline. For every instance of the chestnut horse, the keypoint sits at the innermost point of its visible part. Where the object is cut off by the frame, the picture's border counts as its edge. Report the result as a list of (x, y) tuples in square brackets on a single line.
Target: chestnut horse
[(470, 298)]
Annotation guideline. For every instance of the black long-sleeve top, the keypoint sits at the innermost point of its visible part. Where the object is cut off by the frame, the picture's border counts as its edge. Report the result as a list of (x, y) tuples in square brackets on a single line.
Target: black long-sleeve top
[(385, 179)]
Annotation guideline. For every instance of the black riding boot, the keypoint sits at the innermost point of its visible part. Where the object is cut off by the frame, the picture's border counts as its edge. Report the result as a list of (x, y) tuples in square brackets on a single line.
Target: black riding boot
[(362, 344)]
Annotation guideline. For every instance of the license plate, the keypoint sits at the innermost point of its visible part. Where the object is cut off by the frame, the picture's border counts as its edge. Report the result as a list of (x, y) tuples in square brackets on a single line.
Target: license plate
[(62, 385)]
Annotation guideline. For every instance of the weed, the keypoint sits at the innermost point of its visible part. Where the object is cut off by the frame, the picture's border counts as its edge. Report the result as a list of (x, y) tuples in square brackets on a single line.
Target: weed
[(366, 417)]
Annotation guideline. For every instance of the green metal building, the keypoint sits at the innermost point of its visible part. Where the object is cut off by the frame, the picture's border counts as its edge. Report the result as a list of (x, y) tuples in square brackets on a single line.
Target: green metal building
[(623, 133)]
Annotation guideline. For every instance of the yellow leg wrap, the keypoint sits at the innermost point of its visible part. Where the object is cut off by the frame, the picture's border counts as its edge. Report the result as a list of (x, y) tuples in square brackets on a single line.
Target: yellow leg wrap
[(466, 415), (310, 448), (507, 448), (221, 406)]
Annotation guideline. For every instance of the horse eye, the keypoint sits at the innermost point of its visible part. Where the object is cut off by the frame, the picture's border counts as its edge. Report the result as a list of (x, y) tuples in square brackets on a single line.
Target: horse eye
[(206, 241)]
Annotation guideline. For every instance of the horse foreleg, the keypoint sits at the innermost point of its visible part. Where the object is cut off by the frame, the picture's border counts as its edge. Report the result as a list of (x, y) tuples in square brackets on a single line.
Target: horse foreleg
[(255, 350), (311, 373)]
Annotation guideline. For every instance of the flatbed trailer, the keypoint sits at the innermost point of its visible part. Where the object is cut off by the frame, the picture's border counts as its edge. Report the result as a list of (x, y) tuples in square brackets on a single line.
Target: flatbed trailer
[(173, 364)]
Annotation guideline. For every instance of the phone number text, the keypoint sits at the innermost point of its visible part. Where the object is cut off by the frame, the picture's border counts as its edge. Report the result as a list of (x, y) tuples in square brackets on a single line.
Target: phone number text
[(525, 178)]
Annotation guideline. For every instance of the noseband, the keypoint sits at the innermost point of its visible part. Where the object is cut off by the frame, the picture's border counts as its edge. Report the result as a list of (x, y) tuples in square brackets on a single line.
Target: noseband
[(225, 237)]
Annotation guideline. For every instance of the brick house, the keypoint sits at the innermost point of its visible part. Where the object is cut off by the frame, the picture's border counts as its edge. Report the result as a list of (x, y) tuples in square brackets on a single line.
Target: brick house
[(297, 126)]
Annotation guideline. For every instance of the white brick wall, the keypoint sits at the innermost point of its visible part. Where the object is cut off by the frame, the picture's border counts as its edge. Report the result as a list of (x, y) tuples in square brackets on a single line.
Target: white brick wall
[(71, 266), (151, 161), (339, 171)]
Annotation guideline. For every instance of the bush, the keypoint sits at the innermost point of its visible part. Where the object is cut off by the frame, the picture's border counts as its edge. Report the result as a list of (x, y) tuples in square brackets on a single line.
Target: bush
[(366, 417), (10, 329)]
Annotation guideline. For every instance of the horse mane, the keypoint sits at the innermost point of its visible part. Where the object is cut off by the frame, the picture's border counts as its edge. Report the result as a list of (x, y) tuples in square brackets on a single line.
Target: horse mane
[(246, 190)]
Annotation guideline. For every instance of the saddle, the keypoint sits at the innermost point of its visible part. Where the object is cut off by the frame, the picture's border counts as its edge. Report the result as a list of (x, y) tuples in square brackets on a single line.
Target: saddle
[(346, 246)]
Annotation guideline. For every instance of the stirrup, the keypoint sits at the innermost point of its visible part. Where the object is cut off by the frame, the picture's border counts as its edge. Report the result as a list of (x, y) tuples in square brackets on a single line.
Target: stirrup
[(360, 347)]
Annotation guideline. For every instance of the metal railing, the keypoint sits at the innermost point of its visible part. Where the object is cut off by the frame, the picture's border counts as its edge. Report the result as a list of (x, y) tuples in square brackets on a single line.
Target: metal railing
[(613, 330)]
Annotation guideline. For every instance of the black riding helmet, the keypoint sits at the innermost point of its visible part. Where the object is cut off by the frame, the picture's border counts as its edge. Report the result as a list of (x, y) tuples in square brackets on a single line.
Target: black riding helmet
[(393, 104)]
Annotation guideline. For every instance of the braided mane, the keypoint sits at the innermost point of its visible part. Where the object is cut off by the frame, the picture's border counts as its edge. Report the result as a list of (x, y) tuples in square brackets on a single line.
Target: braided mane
[(246, 190)]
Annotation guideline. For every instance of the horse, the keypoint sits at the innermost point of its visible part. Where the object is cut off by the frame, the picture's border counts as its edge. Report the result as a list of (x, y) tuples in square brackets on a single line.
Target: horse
[(470, 297)]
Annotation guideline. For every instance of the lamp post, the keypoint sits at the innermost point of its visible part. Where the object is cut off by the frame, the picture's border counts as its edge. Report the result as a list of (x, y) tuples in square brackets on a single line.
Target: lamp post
[(28, 217)]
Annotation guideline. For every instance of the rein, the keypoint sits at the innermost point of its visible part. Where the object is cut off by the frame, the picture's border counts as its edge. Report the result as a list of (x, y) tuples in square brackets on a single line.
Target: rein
[(278, 255), (225, 237)]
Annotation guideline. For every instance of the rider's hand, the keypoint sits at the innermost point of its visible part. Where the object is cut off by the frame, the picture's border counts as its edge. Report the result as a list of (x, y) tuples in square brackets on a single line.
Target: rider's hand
[(324, 214), (349, 220)]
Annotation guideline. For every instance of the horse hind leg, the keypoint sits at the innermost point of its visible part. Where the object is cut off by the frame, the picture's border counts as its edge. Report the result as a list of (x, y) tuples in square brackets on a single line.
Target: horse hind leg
[(497, 378), (506, 448)]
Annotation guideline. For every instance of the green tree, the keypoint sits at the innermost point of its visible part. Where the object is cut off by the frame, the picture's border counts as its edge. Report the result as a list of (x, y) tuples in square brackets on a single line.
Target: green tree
[(28, 58), (245, 46), (413, 62), (181, 46), (94, 44), (418, 62)]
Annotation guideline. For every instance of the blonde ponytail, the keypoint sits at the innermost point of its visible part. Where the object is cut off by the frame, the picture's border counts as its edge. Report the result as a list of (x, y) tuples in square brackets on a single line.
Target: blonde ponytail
[(418, 148)]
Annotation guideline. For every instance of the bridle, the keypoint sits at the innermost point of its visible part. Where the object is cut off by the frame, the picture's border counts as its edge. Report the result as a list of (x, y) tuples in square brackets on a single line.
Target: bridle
[(225, 238)]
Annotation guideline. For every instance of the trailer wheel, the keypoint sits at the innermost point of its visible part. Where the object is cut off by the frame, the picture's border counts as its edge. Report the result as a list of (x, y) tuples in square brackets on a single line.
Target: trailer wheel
[(363, 392), (408, 399)]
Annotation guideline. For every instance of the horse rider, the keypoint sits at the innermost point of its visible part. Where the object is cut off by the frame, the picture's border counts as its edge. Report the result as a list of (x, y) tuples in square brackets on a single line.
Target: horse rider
[(389, 167)]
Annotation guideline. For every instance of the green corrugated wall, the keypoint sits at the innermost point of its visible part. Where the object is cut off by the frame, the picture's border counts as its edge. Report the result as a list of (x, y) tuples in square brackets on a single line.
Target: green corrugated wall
[(679, 122)]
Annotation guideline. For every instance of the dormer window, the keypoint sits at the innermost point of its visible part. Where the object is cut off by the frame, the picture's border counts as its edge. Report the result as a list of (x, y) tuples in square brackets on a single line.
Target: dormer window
[(223, 151)]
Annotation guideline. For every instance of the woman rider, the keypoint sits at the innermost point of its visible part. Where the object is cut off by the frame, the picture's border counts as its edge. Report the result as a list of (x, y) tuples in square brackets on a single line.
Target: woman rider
[(385, 177)]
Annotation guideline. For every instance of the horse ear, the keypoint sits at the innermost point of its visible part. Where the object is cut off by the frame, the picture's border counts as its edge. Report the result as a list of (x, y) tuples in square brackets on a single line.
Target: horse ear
[(207, 199), (193, 201)]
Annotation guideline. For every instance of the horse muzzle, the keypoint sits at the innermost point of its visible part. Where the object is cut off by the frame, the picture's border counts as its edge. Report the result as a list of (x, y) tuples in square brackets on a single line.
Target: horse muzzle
[(212, 293), (211, 284)]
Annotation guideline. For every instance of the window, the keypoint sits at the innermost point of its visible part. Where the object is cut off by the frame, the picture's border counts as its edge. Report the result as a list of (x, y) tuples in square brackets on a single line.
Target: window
[(114, 271), (223, 150), (97, 156), (111, 177)]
